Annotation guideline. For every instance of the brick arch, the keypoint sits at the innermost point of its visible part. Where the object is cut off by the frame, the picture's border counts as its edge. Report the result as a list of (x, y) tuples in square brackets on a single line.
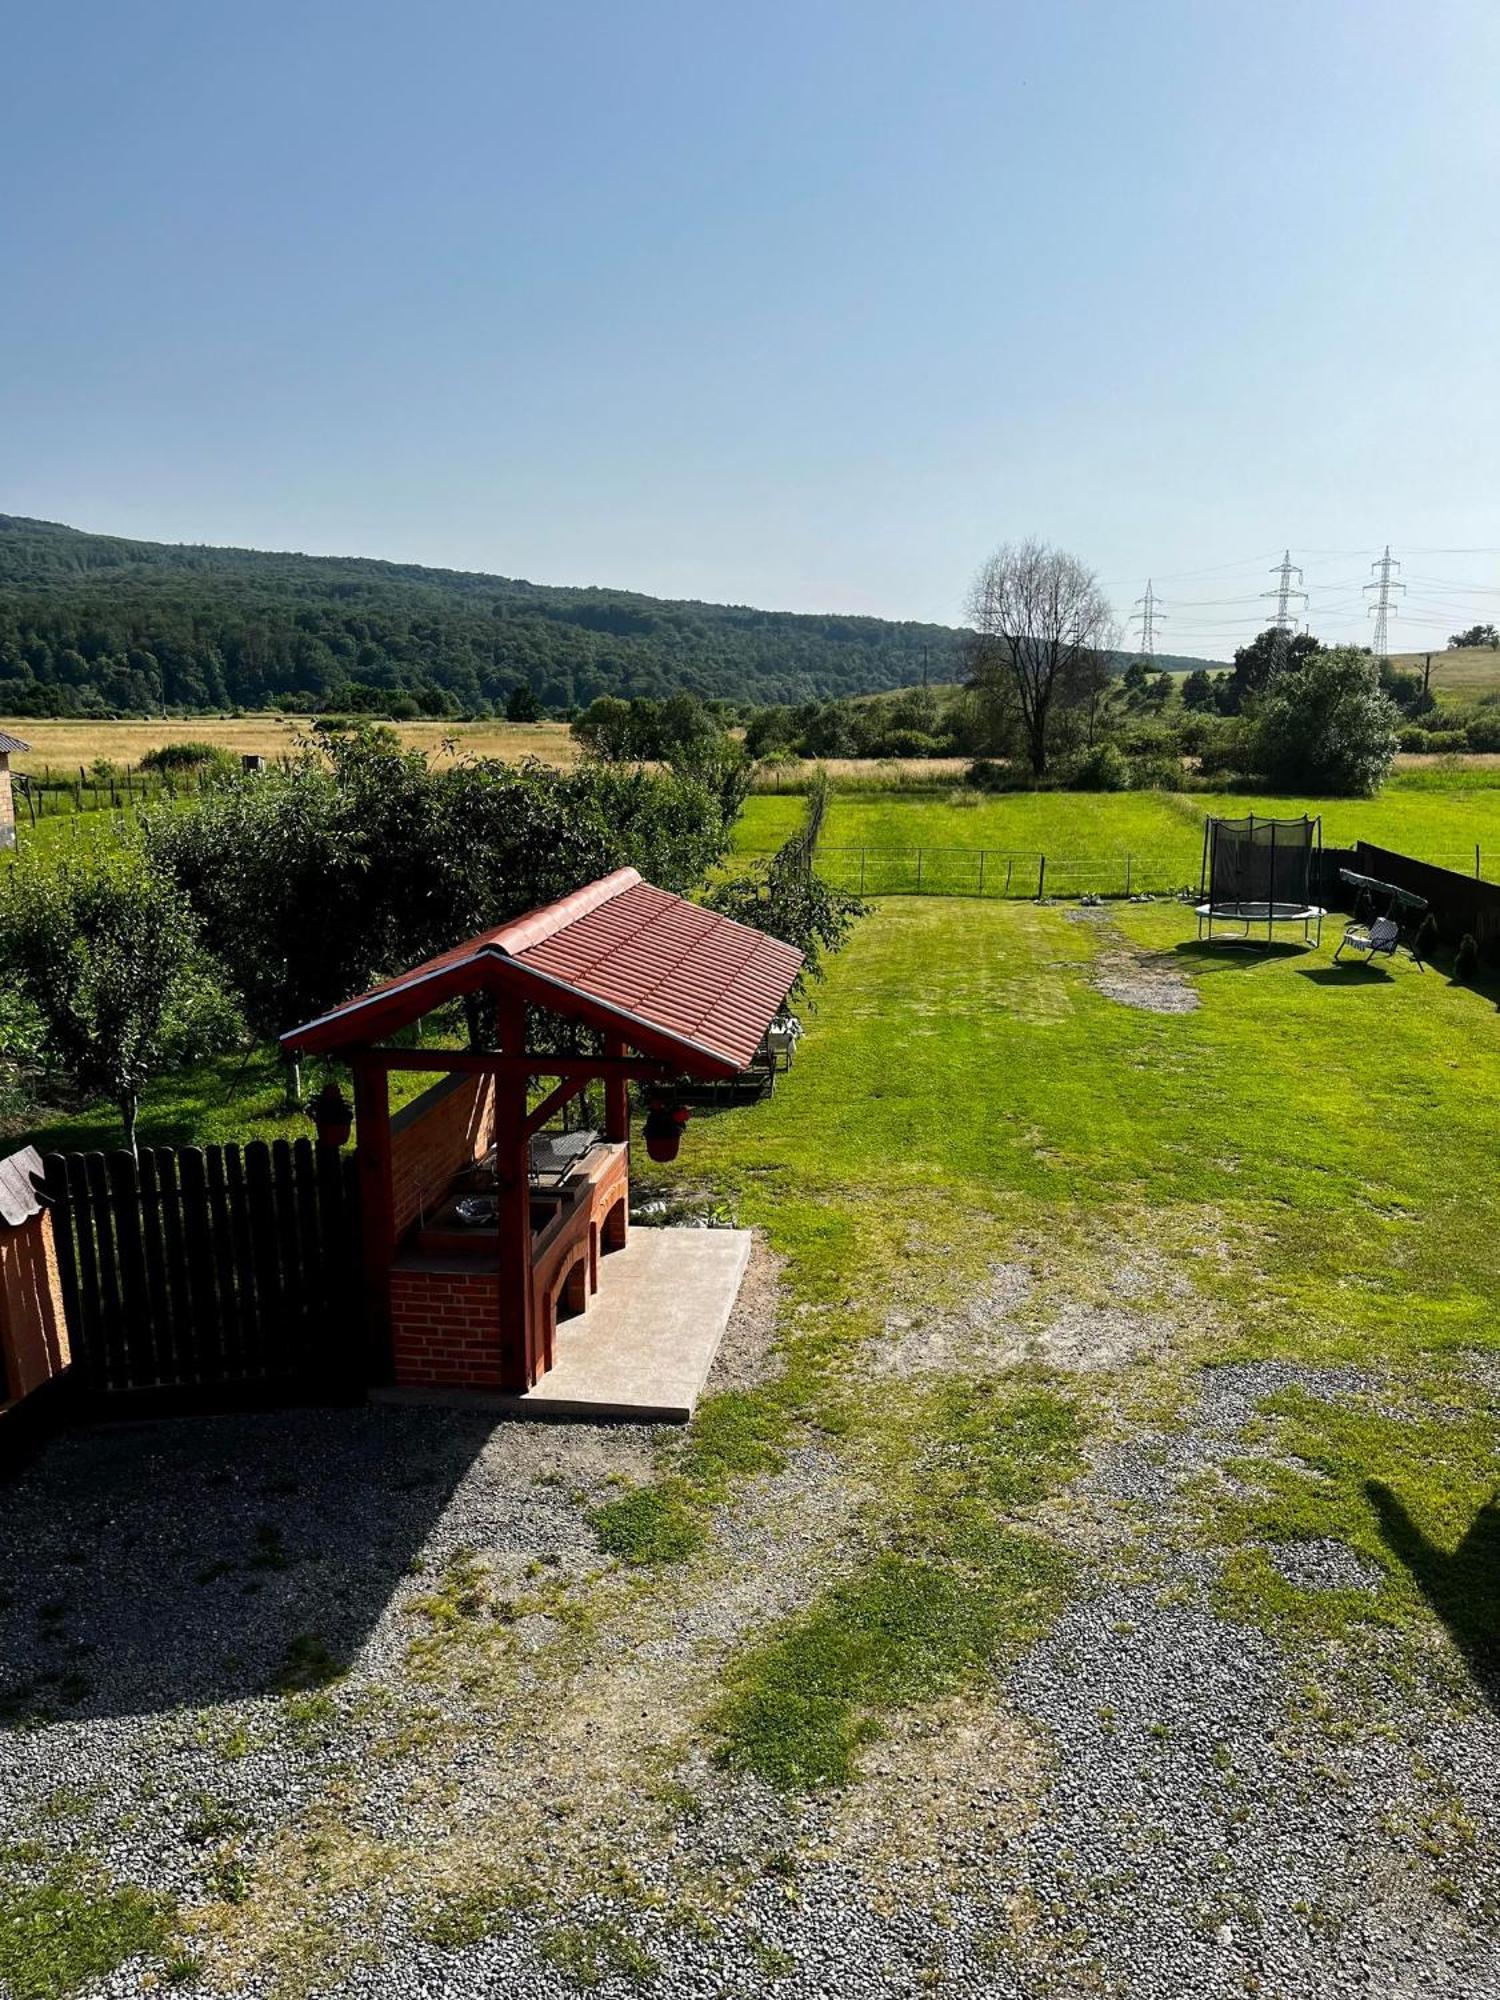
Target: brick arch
[(612, 1229), (570, 1295)]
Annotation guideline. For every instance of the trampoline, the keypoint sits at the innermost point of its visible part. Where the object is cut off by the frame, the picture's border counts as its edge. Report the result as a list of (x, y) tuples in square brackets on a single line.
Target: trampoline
[(1258, 874)]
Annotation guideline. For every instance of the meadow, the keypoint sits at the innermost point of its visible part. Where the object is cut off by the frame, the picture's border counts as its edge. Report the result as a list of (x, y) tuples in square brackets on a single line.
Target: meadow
[(1439, 812), (61, 746)]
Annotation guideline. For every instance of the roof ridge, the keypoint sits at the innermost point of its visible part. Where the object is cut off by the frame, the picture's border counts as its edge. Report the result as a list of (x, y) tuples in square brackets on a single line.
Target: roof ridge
[(513, 938)]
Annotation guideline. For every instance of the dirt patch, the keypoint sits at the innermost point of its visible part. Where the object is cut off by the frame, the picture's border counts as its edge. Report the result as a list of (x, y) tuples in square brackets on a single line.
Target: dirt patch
[(1150, 980), (745, 1356)]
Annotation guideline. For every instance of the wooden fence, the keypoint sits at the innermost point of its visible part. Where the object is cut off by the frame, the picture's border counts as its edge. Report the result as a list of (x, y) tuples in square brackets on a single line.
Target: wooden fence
[(218, 1272)]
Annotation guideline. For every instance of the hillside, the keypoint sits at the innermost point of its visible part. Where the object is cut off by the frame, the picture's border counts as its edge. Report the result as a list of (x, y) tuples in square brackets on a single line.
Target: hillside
[(1461, 673), (91, 623)]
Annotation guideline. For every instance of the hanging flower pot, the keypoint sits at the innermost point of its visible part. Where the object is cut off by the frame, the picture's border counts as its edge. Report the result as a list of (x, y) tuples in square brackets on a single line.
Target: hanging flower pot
[(332, 1115), (664, 1123)]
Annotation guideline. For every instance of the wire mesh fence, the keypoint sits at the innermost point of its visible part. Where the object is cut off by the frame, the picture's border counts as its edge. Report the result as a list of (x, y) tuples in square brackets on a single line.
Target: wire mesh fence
[(1025, 874)]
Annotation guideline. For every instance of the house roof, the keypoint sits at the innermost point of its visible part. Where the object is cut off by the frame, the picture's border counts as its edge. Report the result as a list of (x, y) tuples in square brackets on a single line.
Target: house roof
[(19, 1199), (672, 979), (9, 743)]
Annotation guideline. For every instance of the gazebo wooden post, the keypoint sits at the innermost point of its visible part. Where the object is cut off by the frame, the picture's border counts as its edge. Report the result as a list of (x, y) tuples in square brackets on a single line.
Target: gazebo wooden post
[(372, 1115), (616, 1096), (513, 1202)]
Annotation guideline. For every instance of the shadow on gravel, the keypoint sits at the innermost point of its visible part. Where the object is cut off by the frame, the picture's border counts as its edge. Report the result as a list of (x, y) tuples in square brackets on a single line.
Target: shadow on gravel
[(168, 1564), (1462, 1585)]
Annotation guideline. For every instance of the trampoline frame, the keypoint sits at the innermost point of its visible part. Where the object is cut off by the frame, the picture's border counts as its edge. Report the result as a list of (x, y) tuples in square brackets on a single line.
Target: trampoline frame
[(1250, 915)]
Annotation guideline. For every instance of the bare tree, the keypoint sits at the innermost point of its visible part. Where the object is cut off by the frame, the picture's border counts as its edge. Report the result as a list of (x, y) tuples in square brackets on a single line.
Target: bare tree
[(1044, 628)]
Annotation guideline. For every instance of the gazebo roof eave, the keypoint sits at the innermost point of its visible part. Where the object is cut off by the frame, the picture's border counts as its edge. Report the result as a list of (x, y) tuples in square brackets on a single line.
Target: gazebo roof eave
[(360, 1024)]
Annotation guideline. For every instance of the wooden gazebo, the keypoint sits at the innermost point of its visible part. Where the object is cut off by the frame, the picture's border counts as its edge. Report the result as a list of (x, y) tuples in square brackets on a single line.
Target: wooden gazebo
[(671, 989)]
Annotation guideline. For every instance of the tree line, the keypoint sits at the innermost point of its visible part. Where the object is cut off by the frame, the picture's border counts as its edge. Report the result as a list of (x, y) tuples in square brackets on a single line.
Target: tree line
[(91, 624)]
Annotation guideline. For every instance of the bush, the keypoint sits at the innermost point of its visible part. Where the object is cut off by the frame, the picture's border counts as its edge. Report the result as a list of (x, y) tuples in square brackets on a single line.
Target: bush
[(1414, 741), (1325, 726), (985, 775), (176, 759), (1157, 772), (1102, 769), (1466, 958)]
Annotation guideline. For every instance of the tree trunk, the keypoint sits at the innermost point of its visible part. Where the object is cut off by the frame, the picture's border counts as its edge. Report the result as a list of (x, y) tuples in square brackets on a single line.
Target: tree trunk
[(130, 1110), (292, 1079)]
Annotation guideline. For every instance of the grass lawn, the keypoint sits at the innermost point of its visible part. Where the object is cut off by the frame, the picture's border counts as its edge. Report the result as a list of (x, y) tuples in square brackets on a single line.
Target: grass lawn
[(1438, 812), (1023, 1227)]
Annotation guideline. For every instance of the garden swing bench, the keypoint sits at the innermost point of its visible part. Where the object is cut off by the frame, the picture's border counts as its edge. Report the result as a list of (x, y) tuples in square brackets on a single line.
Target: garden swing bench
[(1379, 933)]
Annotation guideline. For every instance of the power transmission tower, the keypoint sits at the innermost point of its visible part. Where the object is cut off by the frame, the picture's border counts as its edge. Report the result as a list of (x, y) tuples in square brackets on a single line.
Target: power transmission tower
[(1285, 591), (1384, 584), (1148, 617)]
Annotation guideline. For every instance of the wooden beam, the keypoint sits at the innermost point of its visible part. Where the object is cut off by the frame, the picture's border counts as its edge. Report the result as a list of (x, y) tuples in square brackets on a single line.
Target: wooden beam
[(553, 1102), (616, 1095), (495, 1062)]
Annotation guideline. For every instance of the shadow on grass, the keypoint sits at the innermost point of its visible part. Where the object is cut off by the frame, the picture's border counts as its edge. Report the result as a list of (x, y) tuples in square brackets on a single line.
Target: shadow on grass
[(1232, 954), (1352, 974), (1462, 1585), (179, 1562)]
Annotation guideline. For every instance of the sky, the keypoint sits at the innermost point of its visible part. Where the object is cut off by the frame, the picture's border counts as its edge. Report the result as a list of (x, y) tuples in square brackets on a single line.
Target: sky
[(808, 304)]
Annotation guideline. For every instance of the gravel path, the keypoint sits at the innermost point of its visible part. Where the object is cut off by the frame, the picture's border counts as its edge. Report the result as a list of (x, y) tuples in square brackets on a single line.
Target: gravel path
[(1148, 1804)]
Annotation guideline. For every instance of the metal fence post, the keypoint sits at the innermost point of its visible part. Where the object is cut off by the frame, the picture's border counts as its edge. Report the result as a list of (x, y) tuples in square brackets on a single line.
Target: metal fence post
[(919, 871), (1010, 863), (981, 871), (1041, 877), (862, 871), (1127, 874)]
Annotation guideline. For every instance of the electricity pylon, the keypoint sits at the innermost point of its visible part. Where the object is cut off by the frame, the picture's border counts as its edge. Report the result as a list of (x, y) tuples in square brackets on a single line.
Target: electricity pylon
[(1285, 591), (1147, 618), (1383, 583)]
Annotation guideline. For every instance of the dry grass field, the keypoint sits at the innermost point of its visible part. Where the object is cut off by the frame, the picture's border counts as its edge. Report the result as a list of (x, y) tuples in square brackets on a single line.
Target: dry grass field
[(1465, 673), (66, 744)]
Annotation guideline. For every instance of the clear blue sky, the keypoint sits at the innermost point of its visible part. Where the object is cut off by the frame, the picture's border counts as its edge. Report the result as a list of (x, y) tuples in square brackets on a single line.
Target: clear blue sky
[(805, 305)]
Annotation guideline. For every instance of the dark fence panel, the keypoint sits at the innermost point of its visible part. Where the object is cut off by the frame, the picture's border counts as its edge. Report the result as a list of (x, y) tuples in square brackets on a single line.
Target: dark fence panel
[(1460, 903), (214, 1272)]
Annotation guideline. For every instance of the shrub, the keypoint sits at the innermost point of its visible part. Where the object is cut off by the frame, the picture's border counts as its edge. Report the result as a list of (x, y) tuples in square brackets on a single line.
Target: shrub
[(985, 775), (1102, 769), (1414, 741), (1466, 958), (177, 759), (1326, 726), (1155, 773)]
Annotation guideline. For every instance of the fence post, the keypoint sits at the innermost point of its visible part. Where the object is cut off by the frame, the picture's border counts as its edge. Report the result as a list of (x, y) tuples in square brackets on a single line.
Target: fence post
[(981, 870), (1476, 861), (919, 871), (1127, 874), (1041, 876), (1010, 863), (862, 871)]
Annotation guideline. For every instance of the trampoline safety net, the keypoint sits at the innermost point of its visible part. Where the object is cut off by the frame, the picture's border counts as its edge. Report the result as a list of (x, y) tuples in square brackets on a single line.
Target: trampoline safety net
[(1260, 871)]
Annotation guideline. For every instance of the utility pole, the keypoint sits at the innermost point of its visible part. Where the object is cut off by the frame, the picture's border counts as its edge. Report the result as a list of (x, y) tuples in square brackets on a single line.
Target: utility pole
[(1147, 618), (1383, 584)]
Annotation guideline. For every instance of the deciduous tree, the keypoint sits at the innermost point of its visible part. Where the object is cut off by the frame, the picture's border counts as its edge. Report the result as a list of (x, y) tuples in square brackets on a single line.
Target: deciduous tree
[(1041, 624)]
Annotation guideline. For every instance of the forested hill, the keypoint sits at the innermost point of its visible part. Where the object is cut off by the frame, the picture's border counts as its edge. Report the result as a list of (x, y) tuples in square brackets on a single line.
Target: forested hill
[(90, 622)]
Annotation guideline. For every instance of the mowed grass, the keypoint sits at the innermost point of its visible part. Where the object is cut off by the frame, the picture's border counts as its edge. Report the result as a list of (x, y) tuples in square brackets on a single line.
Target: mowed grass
[(1438, 812), (1309, 1154), (63, 746)]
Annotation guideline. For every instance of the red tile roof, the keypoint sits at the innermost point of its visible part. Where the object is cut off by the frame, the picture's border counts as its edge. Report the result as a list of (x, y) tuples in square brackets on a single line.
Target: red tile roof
[(671, 978)]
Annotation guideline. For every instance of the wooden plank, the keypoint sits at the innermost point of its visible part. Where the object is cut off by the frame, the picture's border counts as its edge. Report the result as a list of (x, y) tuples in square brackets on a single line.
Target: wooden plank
[(266, 1258), (203, 1361), (239, 1255), (178, 1339), (372, 1123), (158, 1300), (297, 1330), (343, 1292), (319, 1342), (65, 1238), (137, 1330), (235, 1334), (114, 1362)]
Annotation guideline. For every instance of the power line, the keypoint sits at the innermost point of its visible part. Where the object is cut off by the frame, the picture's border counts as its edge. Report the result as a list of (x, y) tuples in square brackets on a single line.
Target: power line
[(1146, 618), (1380, 610)]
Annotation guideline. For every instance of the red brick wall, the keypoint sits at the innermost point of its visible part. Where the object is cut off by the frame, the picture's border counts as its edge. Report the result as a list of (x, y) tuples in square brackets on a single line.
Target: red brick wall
[(446, 1327), (432, 1137)]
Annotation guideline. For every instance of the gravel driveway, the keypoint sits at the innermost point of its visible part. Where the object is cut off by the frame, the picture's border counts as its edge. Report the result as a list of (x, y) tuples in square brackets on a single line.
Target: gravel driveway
[(212, 1662)]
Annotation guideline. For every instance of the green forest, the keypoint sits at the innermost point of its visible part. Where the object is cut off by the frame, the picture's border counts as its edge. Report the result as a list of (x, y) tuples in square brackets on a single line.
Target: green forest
[(91, 624)]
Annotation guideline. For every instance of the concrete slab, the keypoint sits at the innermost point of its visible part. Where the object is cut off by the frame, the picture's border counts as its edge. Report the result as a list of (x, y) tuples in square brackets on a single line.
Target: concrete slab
[(642, 1351)]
